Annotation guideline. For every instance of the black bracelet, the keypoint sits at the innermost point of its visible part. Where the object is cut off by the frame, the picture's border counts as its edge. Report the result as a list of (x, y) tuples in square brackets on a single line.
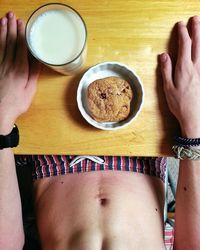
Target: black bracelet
[(11, 140), (187, 142)]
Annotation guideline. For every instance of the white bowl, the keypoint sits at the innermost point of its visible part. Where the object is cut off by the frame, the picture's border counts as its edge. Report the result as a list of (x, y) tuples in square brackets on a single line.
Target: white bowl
[(103, 70)]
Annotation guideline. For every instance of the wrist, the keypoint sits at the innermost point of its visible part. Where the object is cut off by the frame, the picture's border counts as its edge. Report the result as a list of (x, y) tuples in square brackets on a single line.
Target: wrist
[(190, 131), (6, 127), (7, 121)]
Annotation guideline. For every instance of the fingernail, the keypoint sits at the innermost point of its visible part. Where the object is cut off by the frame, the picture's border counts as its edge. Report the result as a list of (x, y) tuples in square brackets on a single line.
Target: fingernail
[(195, 18), (19, 22), (163, 57), (10, 14), (180, 24), (3, 21)]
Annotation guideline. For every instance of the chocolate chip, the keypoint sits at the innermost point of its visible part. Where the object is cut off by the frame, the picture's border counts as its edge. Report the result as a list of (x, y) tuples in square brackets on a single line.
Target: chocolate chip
[(103, 95)]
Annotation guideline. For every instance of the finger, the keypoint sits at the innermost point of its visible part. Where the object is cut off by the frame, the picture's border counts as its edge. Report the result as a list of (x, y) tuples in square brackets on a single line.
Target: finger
[(196, 39), (21, 58), (11, 39), (184, 50), (166, 70), (3, 35)]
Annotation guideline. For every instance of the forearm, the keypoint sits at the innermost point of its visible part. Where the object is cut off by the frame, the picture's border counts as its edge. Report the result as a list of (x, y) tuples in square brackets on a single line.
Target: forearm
[(18, 78), (11, 226), (187, 215), (182, 90)]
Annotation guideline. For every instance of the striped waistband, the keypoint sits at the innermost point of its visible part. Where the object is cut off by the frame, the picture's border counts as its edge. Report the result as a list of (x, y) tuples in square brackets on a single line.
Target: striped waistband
[(55, 165)]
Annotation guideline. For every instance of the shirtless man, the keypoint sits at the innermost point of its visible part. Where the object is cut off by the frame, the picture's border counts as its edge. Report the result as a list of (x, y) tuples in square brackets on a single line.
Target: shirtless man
[(110, 210)]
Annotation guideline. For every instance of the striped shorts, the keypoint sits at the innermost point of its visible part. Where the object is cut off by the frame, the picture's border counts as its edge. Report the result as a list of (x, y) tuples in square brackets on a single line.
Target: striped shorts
[(55, 165)]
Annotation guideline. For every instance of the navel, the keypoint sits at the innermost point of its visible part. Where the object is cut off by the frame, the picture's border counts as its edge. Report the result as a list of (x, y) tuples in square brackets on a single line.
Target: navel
[(103, 201)]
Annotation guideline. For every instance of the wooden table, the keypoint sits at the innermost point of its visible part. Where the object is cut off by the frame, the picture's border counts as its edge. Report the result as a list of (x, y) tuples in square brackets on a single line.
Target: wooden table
[(131, 32)]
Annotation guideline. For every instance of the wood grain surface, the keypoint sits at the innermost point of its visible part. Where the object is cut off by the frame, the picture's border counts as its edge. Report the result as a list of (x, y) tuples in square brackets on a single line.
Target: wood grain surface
[(130, 32)]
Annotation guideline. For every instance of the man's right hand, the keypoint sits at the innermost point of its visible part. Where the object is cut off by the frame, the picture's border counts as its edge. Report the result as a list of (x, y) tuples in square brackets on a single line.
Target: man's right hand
[(18, 76)]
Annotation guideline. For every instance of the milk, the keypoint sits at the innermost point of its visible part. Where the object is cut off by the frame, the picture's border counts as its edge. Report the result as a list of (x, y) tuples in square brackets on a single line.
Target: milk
[(57, 37)]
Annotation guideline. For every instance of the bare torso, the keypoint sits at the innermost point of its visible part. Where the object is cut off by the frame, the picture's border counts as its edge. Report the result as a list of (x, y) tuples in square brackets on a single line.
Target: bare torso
[(107, 210)]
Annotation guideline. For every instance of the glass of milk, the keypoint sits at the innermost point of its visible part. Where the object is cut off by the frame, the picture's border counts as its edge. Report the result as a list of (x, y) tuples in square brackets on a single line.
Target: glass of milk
[(56, 35)]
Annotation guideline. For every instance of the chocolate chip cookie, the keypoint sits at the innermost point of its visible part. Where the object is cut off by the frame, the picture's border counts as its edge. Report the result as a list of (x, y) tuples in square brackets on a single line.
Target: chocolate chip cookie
[(109, 99)]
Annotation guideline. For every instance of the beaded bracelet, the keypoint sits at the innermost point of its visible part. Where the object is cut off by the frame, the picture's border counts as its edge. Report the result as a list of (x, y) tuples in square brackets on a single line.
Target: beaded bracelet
[(183, 153), (187, 142)]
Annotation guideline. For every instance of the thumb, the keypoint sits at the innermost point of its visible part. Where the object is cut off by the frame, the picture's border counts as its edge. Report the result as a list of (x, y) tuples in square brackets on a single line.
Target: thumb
[(166, 69), (34, 70)]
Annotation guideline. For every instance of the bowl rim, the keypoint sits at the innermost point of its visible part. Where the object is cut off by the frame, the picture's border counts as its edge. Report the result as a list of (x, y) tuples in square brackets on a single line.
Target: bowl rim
[(85, 114)]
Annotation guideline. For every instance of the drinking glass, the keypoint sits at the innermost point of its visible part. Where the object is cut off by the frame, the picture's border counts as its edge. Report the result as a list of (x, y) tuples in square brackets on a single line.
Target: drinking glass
[(56, 35)]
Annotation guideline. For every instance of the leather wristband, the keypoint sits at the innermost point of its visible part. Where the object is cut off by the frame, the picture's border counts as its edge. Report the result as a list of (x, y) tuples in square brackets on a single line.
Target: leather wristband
[(187, 142), (11, 140)]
